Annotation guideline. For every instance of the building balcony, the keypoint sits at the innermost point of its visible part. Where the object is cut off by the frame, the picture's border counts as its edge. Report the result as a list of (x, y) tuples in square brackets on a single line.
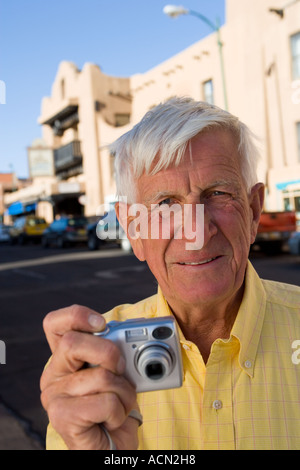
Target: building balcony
[(67, 157)]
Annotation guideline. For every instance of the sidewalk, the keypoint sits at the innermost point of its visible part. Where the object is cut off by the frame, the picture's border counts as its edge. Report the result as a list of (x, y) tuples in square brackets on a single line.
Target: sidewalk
[(14, 434)]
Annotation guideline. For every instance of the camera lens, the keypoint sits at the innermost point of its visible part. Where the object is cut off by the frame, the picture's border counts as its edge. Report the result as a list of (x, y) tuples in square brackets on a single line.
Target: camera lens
[(155, 370), (154, 363)]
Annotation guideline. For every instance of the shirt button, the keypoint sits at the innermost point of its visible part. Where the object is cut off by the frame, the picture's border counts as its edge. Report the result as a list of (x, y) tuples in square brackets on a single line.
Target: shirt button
[(185, 346), (217, 404), (248, 364)]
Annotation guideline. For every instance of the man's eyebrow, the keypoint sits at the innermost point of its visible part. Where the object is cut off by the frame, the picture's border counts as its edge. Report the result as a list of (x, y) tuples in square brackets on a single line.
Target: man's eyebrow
[(226, 183)]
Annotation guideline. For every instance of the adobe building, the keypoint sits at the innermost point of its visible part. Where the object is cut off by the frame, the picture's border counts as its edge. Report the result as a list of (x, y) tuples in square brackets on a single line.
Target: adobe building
[(261, 51), (71, 170), (88, 110), (10, 184)]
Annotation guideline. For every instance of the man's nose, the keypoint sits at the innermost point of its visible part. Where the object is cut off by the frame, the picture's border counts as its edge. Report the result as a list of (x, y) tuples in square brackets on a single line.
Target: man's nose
[(199, 226), (210, 227)]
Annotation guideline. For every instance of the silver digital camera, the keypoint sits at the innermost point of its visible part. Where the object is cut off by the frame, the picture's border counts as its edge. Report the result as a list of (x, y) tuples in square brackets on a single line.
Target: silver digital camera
[(151, 349)]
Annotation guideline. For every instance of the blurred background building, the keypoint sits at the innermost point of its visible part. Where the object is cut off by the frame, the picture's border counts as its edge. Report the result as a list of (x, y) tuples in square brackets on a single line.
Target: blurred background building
[(9, 183), (70, 168)]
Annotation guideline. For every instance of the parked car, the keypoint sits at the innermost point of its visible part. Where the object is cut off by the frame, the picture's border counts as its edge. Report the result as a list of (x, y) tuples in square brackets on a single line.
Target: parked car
[(294, 244), (27, 228), (65, 231), (274, 230), (107, 230), (4, 233)]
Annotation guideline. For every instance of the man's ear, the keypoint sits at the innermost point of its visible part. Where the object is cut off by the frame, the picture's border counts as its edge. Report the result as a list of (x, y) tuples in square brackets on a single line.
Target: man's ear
[(257, 196), (126, 221)]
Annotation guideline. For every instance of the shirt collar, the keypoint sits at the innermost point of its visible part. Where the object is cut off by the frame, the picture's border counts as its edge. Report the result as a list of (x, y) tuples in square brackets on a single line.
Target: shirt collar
[(249, 321), (163, 309), (248, 324)]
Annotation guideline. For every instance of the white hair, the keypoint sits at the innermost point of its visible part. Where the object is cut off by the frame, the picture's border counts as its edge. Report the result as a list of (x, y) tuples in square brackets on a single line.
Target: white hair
[(160, 139)]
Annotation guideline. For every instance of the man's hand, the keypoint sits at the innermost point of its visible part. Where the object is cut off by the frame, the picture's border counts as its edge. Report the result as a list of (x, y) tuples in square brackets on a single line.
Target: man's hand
[(77, 399)]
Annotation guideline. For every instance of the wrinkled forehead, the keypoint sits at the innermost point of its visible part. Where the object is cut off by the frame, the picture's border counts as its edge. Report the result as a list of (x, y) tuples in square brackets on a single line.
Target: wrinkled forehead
[(219, 141), (209, 158), (146, 161)]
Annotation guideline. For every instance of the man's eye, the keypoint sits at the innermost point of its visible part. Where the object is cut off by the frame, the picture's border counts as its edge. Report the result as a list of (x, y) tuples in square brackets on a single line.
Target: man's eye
[(167, 201), (221, 193), (217, 197)]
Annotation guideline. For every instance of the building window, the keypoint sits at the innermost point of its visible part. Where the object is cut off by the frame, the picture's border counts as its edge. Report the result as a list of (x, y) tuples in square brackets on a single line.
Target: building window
[(295, 49), (122, 119), (298, 140), (287, 204), (208, 91)]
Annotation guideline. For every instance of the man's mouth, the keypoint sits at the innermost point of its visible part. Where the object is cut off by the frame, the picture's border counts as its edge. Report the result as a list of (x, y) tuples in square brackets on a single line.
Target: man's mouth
[(198, 263)]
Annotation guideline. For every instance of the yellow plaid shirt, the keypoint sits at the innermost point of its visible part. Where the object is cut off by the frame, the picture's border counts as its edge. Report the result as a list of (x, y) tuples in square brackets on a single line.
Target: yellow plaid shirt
[(247, 396)]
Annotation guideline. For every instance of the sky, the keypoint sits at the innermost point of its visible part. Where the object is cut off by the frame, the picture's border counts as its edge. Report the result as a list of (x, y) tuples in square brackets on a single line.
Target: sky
[(123, 37)]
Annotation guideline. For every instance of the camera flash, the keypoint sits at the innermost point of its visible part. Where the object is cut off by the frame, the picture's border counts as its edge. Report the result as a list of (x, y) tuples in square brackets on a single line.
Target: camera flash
[(137, 334)]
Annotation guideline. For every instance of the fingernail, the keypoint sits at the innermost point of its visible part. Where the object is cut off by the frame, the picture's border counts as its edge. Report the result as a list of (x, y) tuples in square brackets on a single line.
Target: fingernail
[(96, 321), (121, 365)]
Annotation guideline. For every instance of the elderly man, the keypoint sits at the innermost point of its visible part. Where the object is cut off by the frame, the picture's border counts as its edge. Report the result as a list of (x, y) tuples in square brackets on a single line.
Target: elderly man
[(241, 386)]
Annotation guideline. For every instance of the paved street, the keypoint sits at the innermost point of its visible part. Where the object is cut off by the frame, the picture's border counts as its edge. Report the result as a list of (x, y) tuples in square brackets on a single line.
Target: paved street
[(34, 281)]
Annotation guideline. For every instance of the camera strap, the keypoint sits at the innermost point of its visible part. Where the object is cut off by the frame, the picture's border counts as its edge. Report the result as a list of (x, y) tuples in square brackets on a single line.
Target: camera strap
[(133, 414)]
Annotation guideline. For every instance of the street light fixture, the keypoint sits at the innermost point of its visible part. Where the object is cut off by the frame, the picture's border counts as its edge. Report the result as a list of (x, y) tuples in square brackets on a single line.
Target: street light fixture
[(173, 11), (280, 11)]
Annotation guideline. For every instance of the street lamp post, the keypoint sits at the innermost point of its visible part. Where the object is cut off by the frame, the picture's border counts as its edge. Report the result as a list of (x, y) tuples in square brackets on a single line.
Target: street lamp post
[(173, 11)]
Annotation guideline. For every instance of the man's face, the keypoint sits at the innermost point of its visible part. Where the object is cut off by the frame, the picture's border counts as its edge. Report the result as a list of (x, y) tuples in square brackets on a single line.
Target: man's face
[(214, 273)]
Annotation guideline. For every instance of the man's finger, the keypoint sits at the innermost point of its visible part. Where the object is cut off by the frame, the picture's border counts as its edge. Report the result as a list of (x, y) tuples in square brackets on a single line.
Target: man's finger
[(75, 317), (76, 416), (87, 382), (77, 349)]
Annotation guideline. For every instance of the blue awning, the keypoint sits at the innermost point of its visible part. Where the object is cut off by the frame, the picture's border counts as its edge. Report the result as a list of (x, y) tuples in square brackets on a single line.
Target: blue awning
[(18, 208), (15, 209), (30, 207), (283, 186)]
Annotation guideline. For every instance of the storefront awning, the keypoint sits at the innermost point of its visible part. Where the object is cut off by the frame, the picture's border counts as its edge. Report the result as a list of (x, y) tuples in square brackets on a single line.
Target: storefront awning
[(18, 208), (15, 209), (282, 186)]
